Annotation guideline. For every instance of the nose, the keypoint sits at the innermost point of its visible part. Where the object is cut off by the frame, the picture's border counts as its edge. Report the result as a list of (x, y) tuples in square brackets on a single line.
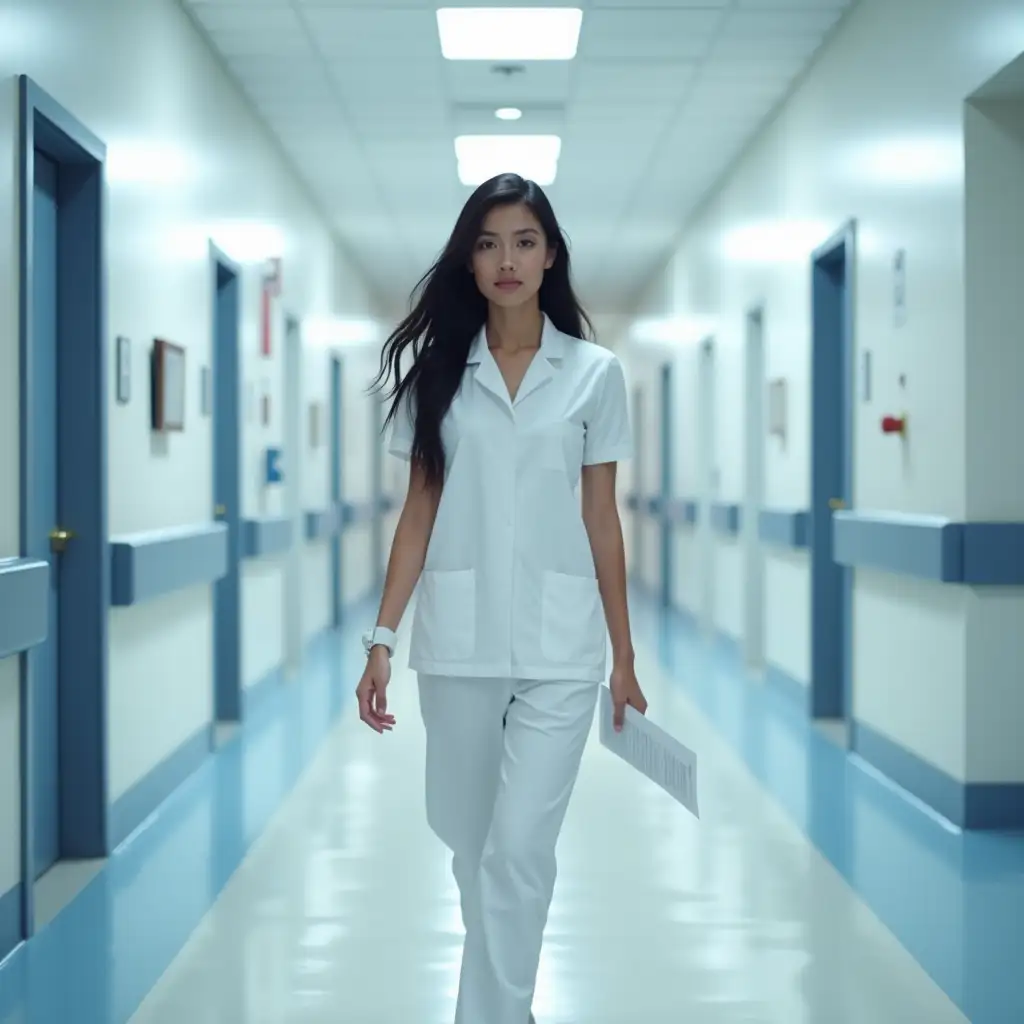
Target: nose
[(506, 263)]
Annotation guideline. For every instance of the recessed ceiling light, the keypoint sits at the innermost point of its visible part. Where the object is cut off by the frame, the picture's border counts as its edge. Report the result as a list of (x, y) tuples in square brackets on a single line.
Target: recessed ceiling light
[(481, 157), (508, 113), (509, 33)]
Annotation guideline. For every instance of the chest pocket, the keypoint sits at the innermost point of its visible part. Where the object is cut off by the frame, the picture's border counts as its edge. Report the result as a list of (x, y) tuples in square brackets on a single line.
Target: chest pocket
[(561, 448)]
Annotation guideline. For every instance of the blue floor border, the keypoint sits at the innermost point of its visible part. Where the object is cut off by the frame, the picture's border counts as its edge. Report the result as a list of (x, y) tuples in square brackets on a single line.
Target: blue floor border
[(136, 804), (10, 920), (954, 899), (101, 955)]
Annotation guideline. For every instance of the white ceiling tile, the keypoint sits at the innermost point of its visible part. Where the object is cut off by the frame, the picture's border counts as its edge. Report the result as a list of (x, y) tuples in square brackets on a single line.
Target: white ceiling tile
[(370, 33), (794, 4), (406, 80), (235, 18), (797, 47), (673, 34), (539, 82), (771, 23), (677, 5), (603, 80)]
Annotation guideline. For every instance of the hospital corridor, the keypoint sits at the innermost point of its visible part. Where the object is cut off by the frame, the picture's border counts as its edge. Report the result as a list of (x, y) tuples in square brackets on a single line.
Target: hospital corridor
[(372, 358)]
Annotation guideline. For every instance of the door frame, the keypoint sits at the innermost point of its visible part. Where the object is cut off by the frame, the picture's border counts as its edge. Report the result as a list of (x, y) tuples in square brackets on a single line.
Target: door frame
[(754, 446), (337, 450), (81, 441), (832, 450), (707, 458), (228, 685), (666, 384), (294, 448)]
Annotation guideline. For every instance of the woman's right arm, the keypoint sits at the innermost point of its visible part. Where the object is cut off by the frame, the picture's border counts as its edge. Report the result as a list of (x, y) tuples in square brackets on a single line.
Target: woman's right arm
[(405, 564), (409, 548)]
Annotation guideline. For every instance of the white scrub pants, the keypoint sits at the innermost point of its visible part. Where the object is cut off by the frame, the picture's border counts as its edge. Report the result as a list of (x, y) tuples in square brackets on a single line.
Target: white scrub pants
[(502, 759)]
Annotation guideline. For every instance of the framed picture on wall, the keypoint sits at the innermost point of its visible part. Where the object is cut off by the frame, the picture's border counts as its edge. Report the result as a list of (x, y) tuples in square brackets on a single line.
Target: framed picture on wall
[(168, 386)]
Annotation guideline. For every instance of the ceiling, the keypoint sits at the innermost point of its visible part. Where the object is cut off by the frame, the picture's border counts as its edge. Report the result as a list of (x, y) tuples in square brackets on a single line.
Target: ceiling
[(659, 100)]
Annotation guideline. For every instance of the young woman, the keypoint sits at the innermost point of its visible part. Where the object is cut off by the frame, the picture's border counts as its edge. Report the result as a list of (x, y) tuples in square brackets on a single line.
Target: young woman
[(513, 425)]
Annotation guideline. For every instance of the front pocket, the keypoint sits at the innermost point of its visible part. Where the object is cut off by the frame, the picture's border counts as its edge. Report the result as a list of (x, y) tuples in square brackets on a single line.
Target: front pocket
[(446, 613), (572, 620), (562, 448)]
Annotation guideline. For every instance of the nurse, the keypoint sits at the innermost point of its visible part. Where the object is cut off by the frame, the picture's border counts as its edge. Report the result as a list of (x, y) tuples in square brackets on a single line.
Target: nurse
[(512, 423)]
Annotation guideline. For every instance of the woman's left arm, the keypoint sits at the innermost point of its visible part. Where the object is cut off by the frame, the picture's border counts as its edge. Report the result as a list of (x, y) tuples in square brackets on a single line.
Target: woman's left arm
[(604, 529)]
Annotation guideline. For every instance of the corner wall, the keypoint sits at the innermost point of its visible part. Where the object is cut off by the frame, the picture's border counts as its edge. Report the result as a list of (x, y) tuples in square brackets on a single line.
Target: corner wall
[(874, 132)]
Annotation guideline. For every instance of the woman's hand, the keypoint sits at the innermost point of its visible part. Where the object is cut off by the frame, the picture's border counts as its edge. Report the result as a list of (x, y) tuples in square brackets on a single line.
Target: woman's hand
[(625, 690), (372, 691)]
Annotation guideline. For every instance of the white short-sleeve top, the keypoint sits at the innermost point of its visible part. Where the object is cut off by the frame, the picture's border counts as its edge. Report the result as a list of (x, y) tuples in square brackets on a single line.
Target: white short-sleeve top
[(509, 587)]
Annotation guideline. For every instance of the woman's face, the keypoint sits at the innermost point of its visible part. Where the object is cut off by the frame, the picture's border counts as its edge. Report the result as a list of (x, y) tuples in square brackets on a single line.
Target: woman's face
[(511, 255)]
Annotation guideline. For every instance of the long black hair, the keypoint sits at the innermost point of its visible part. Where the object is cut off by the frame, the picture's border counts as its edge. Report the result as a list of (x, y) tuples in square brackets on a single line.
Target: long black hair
[(450, 311)]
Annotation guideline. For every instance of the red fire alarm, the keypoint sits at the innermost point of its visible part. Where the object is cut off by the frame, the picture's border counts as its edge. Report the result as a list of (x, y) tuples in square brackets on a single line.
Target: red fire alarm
[(894, 425)]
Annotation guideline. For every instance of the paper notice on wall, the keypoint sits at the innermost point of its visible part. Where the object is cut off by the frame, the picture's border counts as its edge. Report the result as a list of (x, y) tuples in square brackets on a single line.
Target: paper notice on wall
[(652, 752)]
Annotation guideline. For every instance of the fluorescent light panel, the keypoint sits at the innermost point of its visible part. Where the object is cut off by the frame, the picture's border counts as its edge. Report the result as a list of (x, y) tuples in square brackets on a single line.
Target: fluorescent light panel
[(481, 157), (509, 33)]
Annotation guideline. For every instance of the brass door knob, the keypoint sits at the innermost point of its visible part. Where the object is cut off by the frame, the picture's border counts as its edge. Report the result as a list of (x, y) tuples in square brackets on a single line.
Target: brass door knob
[(219, 511), (59, 539), (836, 504)]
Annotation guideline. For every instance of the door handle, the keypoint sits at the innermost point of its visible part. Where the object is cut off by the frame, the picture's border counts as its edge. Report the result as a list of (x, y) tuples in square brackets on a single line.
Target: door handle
[(219, 511), (59, 539), (836, 504)]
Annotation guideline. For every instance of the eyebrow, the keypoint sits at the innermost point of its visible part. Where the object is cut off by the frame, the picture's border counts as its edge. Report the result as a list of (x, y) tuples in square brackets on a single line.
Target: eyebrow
[(521, 231)]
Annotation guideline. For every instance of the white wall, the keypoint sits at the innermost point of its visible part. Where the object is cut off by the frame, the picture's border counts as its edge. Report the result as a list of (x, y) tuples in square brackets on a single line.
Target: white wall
[(874, 131), (187, 161)]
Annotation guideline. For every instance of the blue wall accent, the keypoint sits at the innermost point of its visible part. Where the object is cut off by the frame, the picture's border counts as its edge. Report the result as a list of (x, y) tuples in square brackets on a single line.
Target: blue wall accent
[(257, 694), (148, 565), (681, 511), (787, 528), (10, 919), (725, 517), (269, 535), (993, 553), (322, 524), (970, 805), (931, 547), (785, 684), (81, 431), (133, 807), (24, 598)]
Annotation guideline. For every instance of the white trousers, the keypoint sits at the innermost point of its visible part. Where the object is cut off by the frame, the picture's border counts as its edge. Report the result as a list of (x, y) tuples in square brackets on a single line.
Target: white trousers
[(502, 759)]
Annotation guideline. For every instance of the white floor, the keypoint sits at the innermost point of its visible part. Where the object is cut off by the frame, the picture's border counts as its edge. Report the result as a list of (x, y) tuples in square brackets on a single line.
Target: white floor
[(345, 911)]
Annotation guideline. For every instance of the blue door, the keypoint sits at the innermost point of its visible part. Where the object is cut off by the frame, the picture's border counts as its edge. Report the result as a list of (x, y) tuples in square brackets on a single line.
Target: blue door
[(337, 450), (665, 486), (45, 737), (831, 474), (227, 492)]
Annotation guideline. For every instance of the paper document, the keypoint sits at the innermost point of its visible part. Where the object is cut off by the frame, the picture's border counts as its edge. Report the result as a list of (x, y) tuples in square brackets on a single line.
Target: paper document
[(652, 752)]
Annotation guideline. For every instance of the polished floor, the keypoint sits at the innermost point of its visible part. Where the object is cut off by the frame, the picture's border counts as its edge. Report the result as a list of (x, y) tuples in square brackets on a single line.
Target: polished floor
[(294, 880)]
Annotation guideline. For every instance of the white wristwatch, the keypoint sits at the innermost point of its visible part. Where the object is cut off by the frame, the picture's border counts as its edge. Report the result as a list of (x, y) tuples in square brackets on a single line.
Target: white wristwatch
[(380, 635)]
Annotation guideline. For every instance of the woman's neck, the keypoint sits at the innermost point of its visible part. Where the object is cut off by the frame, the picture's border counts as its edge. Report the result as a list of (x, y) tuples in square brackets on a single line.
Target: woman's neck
[(513, 330)]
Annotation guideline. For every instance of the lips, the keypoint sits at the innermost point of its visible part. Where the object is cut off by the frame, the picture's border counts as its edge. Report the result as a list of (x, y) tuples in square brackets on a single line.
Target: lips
[(508, 286)]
